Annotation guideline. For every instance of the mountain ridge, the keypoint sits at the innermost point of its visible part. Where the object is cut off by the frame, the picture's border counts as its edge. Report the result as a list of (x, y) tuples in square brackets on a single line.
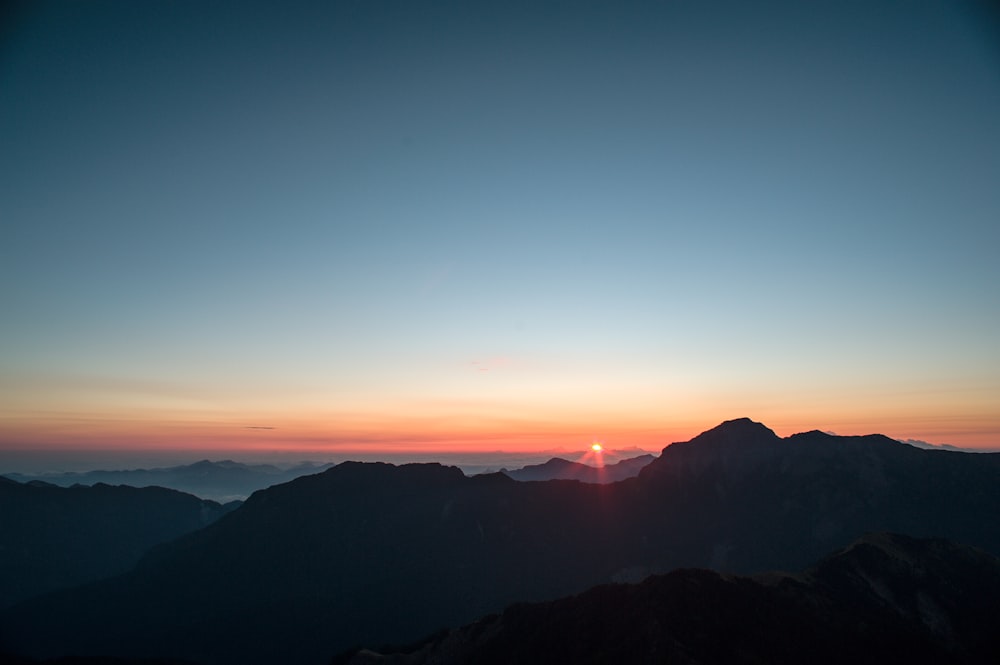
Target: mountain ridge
[(839, 610), (376, 553)]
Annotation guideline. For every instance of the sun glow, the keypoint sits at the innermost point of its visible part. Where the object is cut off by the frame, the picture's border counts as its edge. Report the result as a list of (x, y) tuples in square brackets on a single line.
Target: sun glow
[(596, 447)]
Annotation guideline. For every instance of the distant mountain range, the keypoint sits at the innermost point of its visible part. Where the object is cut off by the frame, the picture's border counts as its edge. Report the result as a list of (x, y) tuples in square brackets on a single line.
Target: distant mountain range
[(55, 537), (887, 598), (221, 481), (370, 554), (226, 480), (558, 468)]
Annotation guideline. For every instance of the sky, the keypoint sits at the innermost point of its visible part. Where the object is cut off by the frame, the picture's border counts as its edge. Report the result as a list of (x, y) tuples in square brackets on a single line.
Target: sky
[(513, 225)]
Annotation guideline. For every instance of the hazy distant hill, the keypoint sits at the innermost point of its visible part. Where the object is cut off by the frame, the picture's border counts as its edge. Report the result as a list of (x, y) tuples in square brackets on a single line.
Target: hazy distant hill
[(558, 468), (374, 553), (885, 599), (54, 537), (221, 481)]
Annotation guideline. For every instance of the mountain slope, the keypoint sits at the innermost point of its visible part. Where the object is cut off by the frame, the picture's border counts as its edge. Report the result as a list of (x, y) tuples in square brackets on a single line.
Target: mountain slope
[(374, 553), (746, 499), (887, 598), (359, 553), (54, 537)]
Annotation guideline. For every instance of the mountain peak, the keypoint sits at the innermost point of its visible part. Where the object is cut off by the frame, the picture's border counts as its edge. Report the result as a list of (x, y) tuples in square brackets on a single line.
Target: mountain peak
[(735, 434), (732, 442), (742, 427)]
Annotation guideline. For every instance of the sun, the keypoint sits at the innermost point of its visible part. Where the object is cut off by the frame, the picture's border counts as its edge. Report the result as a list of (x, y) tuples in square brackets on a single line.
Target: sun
[(596, 447)]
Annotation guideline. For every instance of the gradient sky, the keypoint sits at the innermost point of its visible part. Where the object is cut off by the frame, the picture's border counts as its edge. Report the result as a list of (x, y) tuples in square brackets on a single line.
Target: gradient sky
[(516, 225)]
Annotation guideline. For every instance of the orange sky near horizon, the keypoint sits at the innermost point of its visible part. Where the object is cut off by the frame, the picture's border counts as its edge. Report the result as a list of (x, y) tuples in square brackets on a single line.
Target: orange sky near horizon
[(466, 430), (496, 226)]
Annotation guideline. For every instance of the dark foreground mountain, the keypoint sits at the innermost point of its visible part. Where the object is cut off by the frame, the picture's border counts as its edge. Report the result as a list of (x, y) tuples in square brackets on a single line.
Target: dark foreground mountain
[(558, 468), (54, 537), (887, 598), (368, 554), (221, 481)]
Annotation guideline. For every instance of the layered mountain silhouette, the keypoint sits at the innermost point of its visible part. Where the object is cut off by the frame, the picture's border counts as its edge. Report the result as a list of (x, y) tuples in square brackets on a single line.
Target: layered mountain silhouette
[(369, 554), (221, 481), (887, 598), (54, 537), (558, 468)]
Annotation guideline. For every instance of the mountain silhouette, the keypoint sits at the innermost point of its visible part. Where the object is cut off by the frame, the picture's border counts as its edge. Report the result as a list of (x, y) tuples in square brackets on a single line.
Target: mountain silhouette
[(54, 537), (887, 598), (221, 481), (369, 554), (558, 468)]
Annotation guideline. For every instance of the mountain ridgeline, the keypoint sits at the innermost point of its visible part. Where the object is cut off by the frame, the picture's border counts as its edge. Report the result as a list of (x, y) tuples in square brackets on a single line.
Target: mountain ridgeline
[(370, 554), (886, 598)]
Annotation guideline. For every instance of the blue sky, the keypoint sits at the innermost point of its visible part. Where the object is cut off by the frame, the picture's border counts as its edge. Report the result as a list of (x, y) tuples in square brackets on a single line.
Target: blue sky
[(518, 222)]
